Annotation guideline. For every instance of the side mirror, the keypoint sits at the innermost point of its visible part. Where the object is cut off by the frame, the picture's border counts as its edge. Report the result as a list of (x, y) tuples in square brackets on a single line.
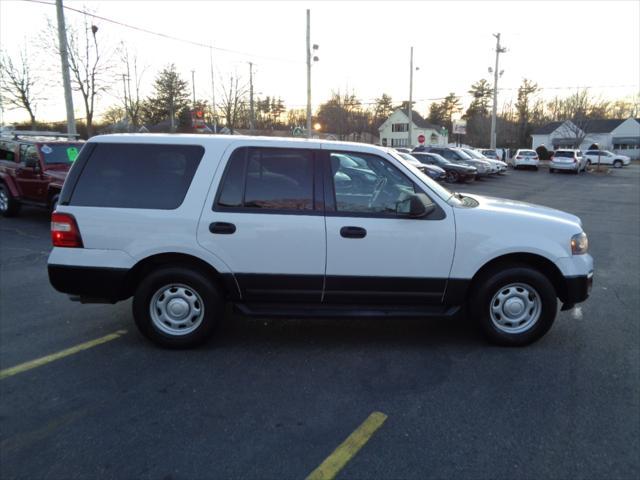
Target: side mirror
[(416, 205)]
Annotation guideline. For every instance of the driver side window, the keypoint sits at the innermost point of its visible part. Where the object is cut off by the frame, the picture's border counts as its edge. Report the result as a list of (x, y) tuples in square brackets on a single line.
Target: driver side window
[(366, 183)]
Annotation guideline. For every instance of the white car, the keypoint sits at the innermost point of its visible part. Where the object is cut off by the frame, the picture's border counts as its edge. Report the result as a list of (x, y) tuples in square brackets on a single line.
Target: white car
[(185, 224), (497, 166), (606, 158), (568, 160), (525, 158)]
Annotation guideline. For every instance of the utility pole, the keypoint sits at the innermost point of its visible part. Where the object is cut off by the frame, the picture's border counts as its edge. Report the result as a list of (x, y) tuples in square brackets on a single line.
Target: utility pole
[(193, 86), (213, 93), (496, 74), (126, 104), (251, 117), (66, 80), (410, 109), (308, 73)]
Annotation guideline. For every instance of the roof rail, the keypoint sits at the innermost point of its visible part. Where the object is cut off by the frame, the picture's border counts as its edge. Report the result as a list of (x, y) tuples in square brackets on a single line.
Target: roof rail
[(35, 133)]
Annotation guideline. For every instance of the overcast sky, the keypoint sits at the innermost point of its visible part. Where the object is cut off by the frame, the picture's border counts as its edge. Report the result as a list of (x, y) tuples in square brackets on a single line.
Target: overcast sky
[(364, 45)]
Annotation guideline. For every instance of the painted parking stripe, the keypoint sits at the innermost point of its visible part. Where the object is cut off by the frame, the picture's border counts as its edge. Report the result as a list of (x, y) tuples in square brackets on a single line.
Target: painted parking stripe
[(38, 362), (335, 462)]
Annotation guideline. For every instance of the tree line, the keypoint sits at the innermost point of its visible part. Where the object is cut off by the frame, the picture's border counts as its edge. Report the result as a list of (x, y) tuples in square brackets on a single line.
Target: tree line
[(344, 114)]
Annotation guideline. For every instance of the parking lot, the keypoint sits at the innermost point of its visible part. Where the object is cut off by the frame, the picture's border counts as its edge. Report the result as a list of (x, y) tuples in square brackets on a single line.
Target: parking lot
[(274, 398)]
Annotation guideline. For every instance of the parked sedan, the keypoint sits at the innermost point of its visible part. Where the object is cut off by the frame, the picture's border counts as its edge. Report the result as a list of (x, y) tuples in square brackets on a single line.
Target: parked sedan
[(497, 166), (526, 158), (455, 172), (568, 160), (492, 154), (606, 158), (457, 156), (433, 171)]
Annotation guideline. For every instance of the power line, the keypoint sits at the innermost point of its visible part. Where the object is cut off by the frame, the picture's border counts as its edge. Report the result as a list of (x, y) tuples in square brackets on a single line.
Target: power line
[(164, 35)]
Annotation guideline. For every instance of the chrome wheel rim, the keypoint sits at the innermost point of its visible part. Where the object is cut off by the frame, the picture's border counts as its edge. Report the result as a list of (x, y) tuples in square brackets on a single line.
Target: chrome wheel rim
[(4, 201), (176, 309), (515, 308)]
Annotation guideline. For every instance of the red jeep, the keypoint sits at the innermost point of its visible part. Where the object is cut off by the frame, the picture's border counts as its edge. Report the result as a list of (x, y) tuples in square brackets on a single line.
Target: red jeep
[(33, 166)]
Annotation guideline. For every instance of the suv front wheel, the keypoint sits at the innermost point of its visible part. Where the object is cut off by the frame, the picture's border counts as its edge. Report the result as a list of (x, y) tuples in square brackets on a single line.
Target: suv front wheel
[(177, 307), (514, 306)]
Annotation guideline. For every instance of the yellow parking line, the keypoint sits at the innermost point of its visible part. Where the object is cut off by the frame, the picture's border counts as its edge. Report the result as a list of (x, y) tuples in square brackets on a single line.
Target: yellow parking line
[(347, 449), (38, 362)]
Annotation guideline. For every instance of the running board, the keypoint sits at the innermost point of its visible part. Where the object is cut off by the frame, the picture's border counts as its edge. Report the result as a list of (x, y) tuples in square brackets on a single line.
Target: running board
[(323, 311)]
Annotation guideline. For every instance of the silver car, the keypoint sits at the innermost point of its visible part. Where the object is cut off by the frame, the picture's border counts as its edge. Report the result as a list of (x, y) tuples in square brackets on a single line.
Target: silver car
[(568, 160)]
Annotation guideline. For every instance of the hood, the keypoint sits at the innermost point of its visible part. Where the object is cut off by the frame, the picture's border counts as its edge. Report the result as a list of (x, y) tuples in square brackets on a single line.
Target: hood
[(501, 205), (57, 174)]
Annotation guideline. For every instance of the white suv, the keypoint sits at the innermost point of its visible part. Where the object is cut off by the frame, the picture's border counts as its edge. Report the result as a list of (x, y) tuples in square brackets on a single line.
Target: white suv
[(605, 157), (188, 223)]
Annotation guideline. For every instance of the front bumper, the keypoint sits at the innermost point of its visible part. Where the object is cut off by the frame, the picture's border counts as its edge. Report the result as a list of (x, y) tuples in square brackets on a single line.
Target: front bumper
[(578, 289)]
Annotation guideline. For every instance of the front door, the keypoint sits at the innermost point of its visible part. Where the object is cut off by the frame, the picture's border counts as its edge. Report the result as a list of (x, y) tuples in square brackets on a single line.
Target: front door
[(31, 183), (375, 255), (265, 220)]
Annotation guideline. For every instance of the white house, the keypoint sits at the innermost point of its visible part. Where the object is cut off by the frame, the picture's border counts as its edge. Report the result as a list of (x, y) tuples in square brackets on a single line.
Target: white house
[(394, 132), (619, 136)]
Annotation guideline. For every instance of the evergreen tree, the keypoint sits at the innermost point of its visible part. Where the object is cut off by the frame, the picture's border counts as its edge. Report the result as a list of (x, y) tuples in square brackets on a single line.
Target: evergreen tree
[(170, 97)]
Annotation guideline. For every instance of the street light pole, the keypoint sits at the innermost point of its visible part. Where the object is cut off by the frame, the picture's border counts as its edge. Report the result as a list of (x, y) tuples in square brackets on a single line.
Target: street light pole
[(213, 92), (494, 112), (308, 73), (193, 86), (410, 108), (251, 111), (66, 80)]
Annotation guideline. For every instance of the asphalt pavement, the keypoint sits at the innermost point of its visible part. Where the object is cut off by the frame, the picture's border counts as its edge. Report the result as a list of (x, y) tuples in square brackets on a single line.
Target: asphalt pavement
[(274, 398)]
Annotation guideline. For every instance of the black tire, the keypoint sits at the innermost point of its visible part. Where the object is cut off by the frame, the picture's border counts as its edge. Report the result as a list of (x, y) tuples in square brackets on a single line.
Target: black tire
[(452, 176), (185, 279), (9, 206), (491, 284), (536, 168), (551, 170), (617, 164)]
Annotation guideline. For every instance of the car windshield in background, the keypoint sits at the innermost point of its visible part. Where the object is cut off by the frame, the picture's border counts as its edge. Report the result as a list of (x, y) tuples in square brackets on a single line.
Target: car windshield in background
[(473, 154), (59, 153), (442, 192), (463, 155), (564, 154)]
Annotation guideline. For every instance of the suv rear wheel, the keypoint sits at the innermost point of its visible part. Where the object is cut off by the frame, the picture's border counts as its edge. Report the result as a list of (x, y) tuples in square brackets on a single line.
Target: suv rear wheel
[(177, 307), (514, 306), (9, 206)]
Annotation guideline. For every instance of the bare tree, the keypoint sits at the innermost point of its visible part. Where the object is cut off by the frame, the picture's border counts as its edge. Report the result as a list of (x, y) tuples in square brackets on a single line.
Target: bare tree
[(90, 64), (18, 84), (233, 100), (132, 79)]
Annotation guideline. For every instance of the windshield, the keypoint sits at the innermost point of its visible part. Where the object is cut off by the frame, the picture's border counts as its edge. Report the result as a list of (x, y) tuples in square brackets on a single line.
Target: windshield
[(473, 154), (59, 153), (409, 158), (463, 155), (438, 189)]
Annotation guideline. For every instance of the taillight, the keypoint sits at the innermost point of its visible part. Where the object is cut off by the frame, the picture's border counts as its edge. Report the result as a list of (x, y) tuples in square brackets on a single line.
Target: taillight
[(64, 231)]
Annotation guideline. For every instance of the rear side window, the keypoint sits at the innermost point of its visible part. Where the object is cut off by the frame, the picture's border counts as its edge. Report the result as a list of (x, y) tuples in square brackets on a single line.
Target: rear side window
[(8, 151), (268, 179), (137, 176)]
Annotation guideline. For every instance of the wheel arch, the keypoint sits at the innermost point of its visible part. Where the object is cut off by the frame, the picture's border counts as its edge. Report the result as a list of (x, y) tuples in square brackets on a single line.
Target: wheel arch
[(9, 182), (137, 273), (538, 262)]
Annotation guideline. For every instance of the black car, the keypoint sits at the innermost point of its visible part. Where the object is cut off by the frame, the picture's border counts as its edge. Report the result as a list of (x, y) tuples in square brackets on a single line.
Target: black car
[(455, 172)]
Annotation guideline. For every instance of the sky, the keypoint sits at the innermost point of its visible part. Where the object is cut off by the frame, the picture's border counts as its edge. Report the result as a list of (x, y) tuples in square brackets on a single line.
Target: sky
[(364, 46)]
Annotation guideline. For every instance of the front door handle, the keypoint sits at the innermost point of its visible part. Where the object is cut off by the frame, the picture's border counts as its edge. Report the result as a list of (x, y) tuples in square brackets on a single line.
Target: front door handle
[(222, 228), (353, 232)]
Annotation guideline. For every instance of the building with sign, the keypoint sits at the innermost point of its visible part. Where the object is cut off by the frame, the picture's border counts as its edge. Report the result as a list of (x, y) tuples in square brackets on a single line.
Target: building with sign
[(618, 136), (394, 132)]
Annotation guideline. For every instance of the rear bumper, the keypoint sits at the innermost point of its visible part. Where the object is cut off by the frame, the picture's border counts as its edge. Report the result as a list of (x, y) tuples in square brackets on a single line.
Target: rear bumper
[(564, 166), (97, 284)]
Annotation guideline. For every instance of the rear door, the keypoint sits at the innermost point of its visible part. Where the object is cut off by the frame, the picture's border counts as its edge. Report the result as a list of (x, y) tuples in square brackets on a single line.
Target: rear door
[(31, 183), (375, 255), (264, 218)]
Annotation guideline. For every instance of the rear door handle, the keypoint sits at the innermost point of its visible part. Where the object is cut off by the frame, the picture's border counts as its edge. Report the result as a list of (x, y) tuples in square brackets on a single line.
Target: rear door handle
[(222, 228), (353, 232)]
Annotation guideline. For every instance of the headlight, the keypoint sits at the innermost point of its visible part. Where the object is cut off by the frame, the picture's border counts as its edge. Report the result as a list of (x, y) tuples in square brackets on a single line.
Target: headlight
[(579, 244)]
